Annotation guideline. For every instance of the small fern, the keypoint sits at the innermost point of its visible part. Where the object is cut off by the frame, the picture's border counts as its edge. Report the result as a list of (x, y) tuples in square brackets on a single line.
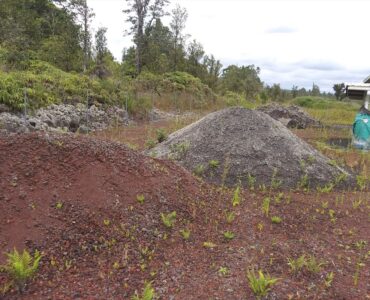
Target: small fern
[(22, 267), (260, 285), (147, 294), (169, 219)]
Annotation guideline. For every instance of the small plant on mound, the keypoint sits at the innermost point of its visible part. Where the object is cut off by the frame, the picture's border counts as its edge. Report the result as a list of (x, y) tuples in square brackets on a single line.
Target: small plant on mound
[(228, 235), (297, 264), (266, 206), (251, 181), (22, 267), (214, 164), (223, 271), (199, 170), (230, 216), (147, 294), (236, 196), (140, 198), (275, 183), (313, 265), (361, 182), (260, 285), (59, 205), (209, 245), (150, 144), (276, 220), (185, 233), (161, 135), (329, 279), (303, 182), (169, 219)]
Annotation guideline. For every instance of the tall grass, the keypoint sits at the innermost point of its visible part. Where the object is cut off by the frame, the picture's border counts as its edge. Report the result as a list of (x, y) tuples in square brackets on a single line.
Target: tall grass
[(329, 111)]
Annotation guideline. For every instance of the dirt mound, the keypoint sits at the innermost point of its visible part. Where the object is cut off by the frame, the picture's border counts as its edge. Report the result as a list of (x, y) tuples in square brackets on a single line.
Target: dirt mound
[(291, 117), (75, 200), (238, 144)]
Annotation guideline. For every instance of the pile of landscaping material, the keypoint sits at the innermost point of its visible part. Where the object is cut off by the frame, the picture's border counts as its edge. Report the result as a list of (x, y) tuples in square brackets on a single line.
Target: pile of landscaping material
[(291, 116), (65, 117), (247, 146)]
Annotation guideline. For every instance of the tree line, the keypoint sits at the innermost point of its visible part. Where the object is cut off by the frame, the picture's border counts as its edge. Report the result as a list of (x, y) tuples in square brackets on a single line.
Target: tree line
[(59, 32)]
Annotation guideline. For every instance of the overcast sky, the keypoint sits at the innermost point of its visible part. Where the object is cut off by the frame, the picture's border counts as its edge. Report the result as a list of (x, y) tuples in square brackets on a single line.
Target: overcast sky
[(294, 42)]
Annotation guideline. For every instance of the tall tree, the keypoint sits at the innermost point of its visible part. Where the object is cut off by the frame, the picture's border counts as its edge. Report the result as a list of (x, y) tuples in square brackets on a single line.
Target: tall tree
[(195, 55), (158, 43), (213, 68), (141, 14), (339, 90), (101, 51), (83, 14), (244, 79), (177, 25), (275, 92), (39, 28), (315, 90), (294, 91)]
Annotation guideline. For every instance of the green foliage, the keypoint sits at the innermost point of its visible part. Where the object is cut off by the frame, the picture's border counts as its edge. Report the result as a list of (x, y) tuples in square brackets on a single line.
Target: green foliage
[(244, 80), (329, 279), (59, 205), (161, 135), (148, 293), (41, 28), (313, 265), (22, 267), (236, 196), (262, 284), (169, 219), (223, 271), (297, 264), (150, 144), (43, 84), (276, 220), (251, 181), (199, 170), (321, 103), (230, 216), (275, 183), (140, 198), (362, 181), (235, 99), (214, 164), (179, 150), (310, 263), (266, 206), (139, 107), (228, 235), (303, 182), (209, 245), (185, 233)]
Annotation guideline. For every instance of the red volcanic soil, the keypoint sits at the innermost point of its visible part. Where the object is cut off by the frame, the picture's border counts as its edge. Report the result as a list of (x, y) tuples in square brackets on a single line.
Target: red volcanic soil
[(74, 199)]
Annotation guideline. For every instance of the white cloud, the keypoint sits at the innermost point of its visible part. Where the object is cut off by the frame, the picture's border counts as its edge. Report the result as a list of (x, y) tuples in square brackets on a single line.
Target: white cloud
[(324, 41)]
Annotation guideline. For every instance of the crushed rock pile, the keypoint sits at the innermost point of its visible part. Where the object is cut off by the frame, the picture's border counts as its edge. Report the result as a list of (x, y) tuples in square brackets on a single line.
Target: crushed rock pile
[(247, 146), (291, 116), (64, 117)]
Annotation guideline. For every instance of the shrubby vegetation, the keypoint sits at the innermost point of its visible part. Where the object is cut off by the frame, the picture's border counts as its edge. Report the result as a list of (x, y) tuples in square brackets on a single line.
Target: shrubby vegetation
[(47, 55)]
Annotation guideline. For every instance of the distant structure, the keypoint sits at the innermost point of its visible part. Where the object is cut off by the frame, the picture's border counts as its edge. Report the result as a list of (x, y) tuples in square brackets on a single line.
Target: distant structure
[(361, 125), (359, 91)]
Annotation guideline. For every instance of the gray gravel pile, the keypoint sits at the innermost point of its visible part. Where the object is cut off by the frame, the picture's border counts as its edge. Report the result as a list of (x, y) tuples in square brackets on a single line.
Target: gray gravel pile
[(291, 116), (64, 117), (247, 146)]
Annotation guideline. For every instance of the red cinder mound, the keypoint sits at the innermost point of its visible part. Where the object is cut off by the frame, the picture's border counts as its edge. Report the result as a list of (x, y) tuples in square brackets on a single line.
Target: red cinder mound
[(75, 199)]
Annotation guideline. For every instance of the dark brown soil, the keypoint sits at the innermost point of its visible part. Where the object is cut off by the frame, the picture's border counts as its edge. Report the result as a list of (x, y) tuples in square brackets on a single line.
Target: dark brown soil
[(103, 244)]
